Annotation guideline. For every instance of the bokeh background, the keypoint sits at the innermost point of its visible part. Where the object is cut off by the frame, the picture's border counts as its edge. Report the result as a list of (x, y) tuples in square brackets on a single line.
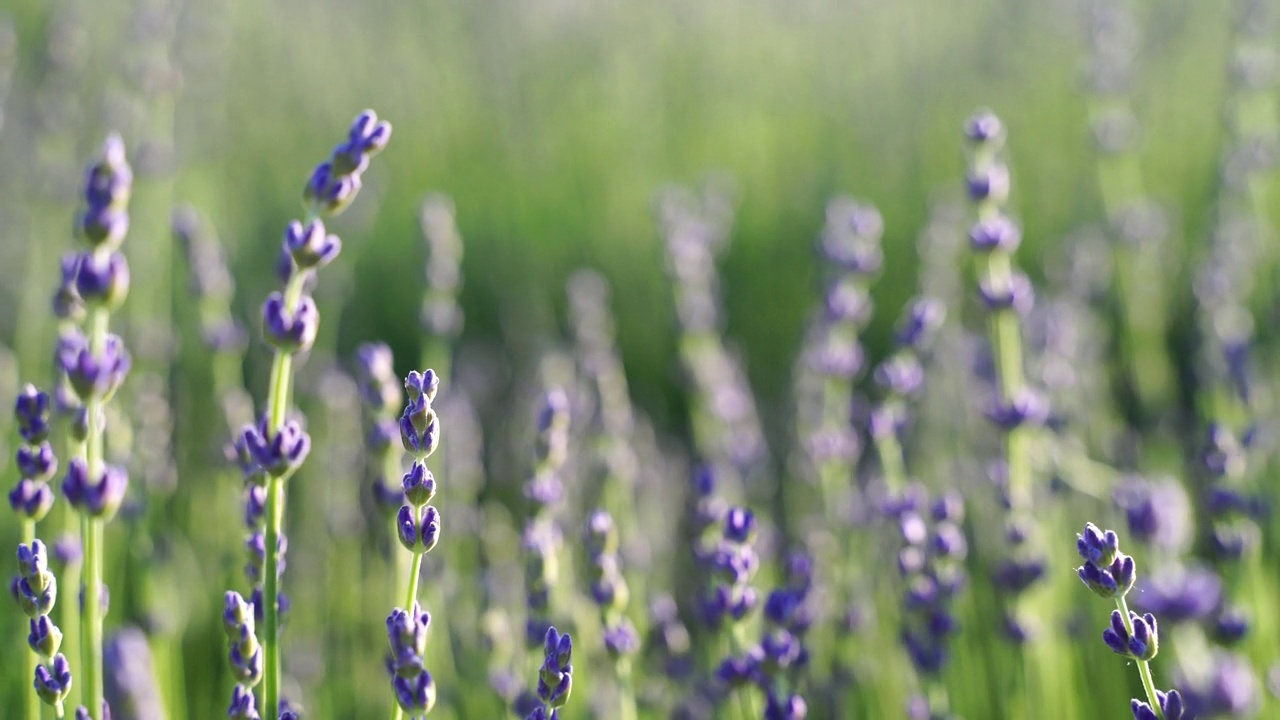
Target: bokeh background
[(554, 126)]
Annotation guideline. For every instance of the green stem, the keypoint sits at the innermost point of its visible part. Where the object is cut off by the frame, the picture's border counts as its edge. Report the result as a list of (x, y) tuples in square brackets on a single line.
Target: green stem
[(626, 691), (891, 462), (32, 660), (277, 408), (746, 696), (1144, 668), (91, 531)]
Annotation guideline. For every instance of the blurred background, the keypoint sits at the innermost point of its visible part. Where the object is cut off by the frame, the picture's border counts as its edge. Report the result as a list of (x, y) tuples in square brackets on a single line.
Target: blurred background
[(555, 127)]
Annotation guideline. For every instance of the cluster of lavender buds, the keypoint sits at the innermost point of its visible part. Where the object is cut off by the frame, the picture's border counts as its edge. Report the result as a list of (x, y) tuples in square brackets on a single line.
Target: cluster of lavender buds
[(544, 492), (726, 422), (1110, 574), (932, 566), (276, 445), (849, 247), (1007, 294), (245, 655), (36, 591), (32, 498), (95, 364), (788, 615), (555, 677), (732, 598), (610, 593), (381, 398), (1232, 511), (418, 529), (901, 375), (441, 315)]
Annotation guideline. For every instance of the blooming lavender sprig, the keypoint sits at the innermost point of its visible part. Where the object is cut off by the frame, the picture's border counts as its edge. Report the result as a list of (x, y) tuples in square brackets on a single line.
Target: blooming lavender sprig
[(610, 593), (544, 491), (418, 529), (1110, 573), (290, 323), (555, 677), (36, 590), (381, 398), (95, 366), (731, 600), (32, 498), (932, 566), (1007, 294), (788, 615)]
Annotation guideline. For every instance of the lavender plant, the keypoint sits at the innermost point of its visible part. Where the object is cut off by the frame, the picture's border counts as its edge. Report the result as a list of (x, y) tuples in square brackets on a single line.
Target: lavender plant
[(1110, 574), (609, 592), (544, 492), (276, 444), (555, 677), (418, 529), (36, 590)]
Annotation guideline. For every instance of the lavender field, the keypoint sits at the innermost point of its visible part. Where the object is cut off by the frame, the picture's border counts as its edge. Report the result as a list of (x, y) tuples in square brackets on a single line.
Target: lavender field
[(677, 359)]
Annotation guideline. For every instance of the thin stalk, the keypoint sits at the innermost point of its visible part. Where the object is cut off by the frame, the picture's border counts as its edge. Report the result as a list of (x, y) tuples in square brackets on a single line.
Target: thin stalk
[(1144, 668), (891, 462), (746, 697), (91, 532), (32, 660), (277, 408), (626, 691)]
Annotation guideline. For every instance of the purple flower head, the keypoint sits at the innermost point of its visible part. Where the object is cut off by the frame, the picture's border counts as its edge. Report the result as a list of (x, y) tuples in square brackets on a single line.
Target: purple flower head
[(1179, 594), (851, 238), (278, 455), (785, 707), (255, 506), (418, 534), (948, 507), (335, 183), (1157, 512), (1016, 294), (92, 376), (1027, 407), (984, 128), (99, 497), (103, 279), (1228, 689), (419, 485), (621, 639), (36, 462), (106, 193), (902, 374), (419, 425), (738, 670), (32, 411), (1223, 454), (740, 525), (847, 301), (290, 331), (53, 681), (1142, 644), (243, 705), (998, 233), (44, 637), (31, 499), (256, 549), (67, 303), (407, 636), (1171, 707), (310, 246), (921, 322), (237, 615), (417, 694), (1231, 626), (555, 679), (989, 183)]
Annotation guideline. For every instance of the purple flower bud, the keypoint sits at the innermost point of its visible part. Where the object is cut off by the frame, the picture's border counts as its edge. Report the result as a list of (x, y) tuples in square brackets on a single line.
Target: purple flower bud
[(243, 705), (739, 525), (621, 639), (66, 549), (37, 462), (32, 412), (419, 429), (923, 318), (995, 234), (44, 637), (53, 681), (407, 528), (984, 128), (255, 506), (989, 183), (419, 485), (785, 707), (902, 374), (91, 376), (100, 497), (290, 332), (310, 246), (1016, 294), (33, 559), (283, 453), (31, 499), (1026, 407), (416, 695), (103, 279)]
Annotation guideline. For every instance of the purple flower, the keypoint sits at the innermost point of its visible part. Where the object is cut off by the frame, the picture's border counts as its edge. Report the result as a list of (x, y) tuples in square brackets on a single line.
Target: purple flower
[(53, 681), (290, 331), (995, 234), (555, 679), (1142, 644), (1106, 571), (32, 411), (1171, 707), (280, 454), (92, 376), (31, 499), (106, 192), (243, 705), (103, 279), (335, 183), (984, 128), (99, 497), (310, 246)]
